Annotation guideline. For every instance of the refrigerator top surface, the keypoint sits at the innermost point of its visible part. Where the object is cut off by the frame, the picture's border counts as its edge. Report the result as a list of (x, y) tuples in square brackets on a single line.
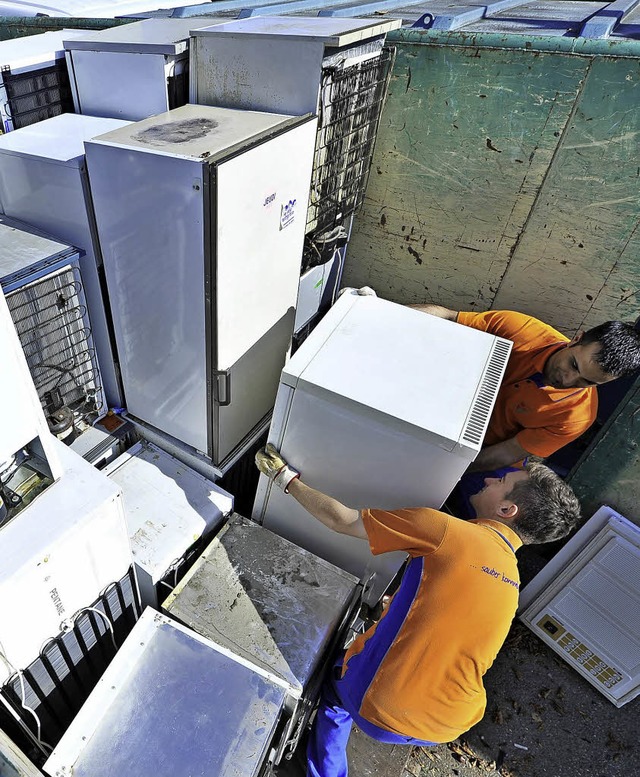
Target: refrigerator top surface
[(332, 31), (198, 132), (58, 139), (34, 49), (172, 703), (167, 505), (150, 36), (274, 603), (413, 367), (22, 248)]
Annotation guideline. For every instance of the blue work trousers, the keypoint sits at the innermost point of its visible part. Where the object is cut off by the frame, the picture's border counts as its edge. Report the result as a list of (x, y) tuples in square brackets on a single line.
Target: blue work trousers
[(327, 748)]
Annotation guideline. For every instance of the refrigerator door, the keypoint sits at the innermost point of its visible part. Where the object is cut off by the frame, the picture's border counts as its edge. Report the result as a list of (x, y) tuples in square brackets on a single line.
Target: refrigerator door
[(375, 409), (260, 210), (184, 255), (172, 703)]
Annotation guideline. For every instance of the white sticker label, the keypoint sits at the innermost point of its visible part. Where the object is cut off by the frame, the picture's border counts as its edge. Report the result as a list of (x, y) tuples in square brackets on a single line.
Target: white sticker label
[(287, 213)]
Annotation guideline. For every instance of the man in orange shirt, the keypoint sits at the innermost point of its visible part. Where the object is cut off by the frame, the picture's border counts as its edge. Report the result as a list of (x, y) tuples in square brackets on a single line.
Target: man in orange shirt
[(415, 677), (548, 395)]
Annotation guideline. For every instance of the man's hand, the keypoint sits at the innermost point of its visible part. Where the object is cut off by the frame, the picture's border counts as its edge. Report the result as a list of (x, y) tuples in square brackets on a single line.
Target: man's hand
[(270, 463), (363, 291)]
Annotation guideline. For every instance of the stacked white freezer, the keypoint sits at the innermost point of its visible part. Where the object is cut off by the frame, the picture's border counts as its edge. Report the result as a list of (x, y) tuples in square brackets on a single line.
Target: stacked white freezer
[(43, 182), (133, 70), (200, 213), (382, 406), (62, 531)]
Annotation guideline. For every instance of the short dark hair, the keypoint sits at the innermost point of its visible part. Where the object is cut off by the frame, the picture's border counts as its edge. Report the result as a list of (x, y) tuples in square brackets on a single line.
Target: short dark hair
[(620, 347), (547, 507)]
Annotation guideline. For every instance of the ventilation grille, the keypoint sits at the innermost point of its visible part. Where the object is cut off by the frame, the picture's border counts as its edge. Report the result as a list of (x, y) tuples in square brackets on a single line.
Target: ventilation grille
[(54, 332), (351, 103), (60, 680), (37, 94), (478, 418)]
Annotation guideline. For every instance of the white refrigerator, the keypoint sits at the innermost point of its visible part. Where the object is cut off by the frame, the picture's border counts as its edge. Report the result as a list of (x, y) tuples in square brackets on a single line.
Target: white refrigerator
[(382, 406), (200, 214), (43, 182), (131, 71)]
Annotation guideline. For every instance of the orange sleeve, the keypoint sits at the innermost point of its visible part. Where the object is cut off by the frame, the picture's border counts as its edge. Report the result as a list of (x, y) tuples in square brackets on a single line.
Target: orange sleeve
[(511, 325), (545, 440), (417, 531)]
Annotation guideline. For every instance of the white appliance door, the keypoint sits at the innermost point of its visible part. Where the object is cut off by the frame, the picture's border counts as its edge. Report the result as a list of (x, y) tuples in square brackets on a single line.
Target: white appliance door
[(151, 234), (260, 210), (120, 85)]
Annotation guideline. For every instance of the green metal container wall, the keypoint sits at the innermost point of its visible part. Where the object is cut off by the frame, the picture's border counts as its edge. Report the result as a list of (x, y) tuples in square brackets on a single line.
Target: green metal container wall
[(506, 175)]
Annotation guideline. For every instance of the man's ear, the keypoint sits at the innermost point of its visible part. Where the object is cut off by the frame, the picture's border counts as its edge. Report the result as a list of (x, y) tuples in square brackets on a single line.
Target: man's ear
[(507, 510), (575, 340)]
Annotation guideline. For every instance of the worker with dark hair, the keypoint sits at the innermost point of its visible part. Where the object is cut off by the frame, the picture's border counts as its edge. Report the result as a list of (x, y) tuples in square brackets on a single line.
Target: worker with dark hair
[(548, 394), (415, 677)]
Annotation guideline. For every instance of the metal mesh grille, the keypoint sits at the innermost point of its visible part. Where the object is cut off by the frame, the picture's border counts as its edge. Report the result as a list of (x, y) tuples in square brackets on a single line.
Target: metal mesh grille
[(59, 681), (52, 326), (351, 103), (483, 404), (38, 94)]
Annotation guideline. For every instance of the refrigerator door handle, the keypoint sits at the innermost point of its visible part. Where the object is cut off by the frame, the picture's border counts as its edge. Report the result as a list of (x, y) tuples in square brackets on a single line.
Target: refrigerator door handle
[(222, 387)]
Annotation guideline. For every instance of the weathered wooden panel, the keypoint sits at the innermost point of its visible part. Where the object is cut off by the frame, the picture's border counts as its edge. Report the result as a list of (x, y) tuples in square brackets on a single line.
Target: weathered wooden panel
[(609, 471), (466, 139), (577, 257)]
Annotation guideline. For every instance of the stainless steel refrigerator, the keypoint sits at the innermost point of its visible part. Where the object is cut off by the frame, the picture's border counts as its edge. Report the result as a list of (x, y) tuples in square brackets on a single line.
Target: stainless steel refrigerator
[(201, 216)]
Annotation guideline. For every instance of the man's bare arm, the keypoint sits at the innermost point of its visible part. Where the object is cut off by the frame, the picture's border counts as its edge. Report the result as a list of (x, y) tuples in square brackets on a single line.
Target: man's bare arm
[(329, 511), (502, 454), (436, 310)]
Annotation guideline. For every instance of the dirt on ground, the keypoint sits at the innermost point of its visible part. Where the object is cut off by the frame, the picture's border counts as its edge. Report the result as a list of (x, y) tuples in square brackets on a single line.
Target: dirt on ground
[(543, 720)]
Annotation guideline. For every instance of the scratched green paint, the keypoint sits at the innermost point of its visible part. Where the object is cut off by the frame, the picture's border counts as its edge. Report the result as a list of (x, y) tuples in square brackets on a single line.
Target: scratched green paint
[(466, 139), (580, 248)]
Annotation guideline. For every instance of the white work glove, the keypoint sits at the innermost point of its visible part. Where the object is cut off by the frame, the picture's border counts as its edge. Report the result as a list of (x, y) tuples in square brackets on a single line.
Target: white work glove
[(363, 291), (271, 464)]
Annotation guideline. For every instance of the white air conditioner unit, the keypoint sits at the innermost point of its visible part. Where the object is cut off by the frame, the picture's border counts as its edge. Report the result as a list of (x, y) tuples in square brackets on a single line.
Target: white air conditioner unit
[(585, 604), (378, 388)]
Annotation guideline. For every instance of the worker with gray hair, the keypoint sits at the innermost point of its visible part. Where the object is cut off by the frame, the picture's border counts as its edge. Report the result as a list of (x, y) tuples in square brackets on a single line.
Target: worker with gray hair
[(415, 677)]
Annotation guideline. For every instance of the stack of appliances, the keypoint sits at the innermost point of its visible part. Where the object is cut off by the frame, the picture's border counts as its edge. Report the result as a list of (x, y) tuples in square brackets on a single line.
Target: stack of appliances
[(273, 604), (336, 68), (41, 281), (62, 525), (131, 71), (43, 182), (34, 83), (173, 702), (201, 215), (382, 406)]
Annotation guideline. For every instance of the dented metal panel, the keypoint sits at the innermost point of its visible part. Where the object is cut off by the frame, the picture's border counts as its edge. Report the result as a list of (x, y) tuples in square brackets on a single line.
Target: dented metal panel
[(264, 598)]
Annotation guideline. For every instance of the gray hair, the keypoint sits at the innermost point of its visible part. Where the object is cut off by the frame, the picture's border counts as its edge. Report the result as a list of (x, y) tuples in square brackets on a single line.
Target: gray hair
[(547, 507)]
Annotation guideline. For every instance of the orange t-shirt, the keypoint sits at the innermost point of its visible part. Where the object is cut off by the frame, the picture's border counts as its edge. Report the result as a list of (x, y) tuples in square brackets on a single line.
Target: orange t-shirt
[(543, 419), (418, 671)]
